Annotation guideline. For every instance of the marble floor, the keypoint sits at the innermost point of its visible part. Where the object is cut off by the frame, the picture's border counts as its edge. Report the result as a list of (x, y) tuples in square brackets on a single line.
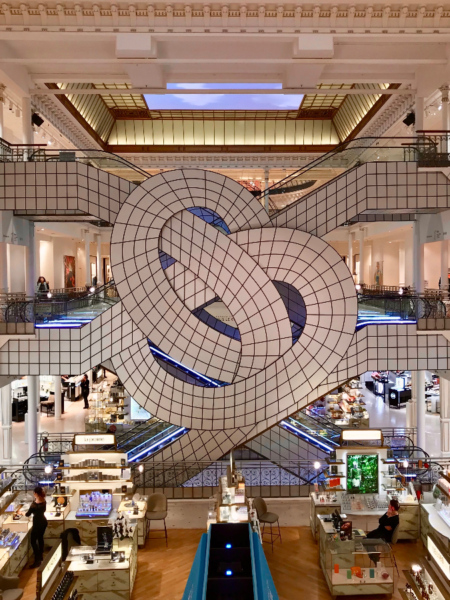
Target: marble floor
[(382, 416)]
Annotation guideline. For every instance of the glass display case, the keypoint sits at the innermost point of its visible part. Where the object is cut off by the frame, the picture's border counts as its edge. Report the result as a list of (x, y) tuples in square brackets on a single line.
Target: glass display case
[(105, 410), (357, 566), (422, 583)]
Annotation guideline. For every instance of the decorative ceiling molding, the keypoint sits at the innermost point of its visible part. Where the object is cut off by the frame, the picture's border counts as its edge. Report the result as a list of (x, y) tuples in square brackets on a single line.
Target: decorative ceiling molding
[(64, 122), (219, 161), (411, 18)]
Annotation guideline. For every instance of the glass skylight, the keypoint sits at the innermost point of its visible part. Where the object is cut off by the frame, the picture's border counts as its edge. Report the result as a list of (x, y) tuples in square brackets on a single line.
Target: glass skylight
[(232, 101)]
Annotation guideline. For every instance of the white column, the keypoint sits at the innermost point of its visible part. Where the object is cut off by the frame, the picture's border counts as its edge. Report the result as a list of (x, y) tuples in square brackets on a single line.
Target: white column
[(98, 239), (350, 252), (445, 114), (418, 258), (361, 254), (6, 424), (421, 410), (2, 103), (444, 418), (27, 128), (4, 285), (57, 386), (87, 250), (419, 113), (266, 189), (31, 264), (444, 266), (33, 403), (401, 264)]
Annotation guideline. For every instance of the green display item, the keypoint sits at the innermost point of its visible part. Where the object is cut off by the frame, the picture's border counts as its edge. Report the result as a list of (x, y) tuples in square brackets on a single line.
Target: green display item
[(349, 573), (372, 573), (362, 473)]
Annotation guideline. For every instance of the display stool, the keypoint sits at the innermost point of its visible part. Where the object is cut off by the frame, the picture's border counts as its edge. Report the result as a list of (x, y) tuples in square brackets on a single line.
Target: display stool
[(49, 406)]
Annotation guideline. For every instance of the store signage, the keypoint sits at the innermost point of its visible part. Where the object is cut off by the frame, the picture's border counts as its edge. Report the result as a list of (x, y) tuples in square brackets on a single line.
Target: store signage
[(50, 566), (92, 439), (358, 435), (438, 557)]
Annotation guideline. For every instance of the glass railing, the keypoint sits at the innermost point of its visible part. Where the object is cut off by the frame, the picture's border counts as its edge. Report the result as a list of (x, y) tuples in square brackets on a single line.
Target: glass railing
[(105, 161), (426, 150)]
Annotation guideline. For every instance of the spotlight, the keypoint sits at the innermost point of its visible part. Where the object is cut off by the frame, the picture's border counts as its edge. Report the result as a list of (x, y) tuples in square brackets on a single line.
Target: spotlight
[(410, 119), (49, 294), (227, 546), (405, 464), (228, 573), (141, 468), (400, 291), (48, 469), (416, 568), (49, 143), (440, 107), (92, 289), (36, 120), (357, 287), (317, 465)]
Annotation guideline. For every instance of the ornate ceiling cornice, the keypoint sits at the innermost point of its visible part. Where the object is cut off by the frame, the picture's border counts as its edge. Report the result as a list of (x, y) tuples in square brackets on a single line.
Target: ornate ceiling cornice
[(232, 18), (220, 161), (58, 117)]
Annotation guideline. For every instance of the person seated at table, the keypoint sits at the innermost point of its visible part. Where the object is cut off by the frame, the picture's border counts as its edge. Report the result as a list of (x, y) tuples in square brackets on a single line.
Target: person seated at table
[(387, 523)]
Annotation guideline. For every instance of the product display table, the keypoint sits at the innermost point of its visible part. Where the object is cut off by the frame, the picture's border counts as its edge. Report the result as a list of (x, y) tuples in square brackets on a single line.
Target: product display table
[(13, 560), (103, 579), (367, 520), (349, 566), (138, 518)]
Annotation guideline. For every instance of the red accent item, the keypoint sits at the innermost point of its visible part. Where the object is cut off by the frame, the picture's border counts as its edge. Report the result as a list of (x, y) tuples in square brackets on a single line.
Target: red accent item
[(418, 494), (334, 482), (45, 444), (426, 465)]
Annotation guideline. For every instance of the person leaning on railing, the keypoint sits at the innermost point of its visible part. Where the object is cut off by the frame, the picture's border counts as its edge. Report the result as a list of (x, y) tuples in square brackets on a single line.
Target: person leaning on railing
[(42, 287)]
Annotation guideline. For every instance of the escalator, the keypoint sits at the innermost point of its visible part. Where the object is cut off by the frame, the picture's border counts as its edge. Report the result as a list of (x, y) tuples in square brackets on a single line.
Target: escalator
[(146, 439)]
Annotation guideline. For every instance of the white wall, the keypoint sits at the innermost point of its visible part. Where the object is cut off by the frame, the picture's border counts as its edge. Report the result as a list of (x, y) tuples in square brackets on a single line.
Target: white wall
[(432, 264), (17, 257), (383, 243), (46, 265)]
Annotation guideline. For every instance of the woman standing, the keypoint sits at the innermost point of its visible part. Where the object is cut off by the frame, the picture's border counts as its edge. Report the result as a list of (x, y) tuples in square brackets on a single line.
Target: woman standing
[(42, 287), (37, 509)]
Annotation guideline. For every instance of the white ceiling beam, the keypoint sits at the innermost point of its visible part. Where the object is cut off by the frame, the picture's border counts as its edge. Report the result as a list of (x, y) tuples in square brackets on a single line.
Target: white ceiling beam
[(183, 92)]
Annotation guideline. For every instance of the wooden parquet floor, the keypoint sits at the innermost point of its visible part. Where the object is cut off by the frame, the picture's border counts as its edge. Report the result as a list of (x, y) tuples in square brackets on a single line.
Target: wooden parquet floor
[(163, 572)]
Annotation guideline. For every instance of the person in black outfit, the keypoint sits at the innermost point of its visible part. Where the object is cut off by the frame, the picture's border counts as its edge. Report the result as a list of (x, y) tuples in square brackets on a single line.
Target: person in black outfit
[(37, 509), (42, 287), (85, 390), (387, 523)]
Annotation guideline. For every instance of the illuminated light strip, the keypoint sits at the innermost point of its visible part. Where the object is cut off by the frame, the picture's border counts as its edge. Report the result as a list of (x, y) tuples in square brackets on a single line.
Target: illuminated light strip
[(178, 432), (53, 326), (170, 359), (398, 322), (300, 433)]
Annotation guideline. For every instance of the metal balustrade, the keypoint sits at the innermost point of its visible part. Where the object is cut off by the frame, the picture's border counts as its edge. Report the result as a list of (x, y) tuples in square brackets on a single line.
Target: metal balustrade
[(105, 161), (428, 149)]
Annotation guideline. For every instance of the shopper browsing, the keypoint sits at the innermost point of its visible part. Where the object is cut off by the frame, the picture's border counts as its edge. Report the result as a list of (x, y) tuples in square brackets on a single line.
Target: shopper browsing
[(37, 509), (387, 523), (85, 390)]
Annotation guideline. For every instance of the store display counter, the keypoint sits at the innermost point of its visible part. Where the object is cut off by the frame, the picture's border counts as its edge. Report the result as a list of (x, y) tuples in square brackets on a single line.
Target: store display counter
[(356, 567), (14, 558), (103, 579), (363, 517)]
